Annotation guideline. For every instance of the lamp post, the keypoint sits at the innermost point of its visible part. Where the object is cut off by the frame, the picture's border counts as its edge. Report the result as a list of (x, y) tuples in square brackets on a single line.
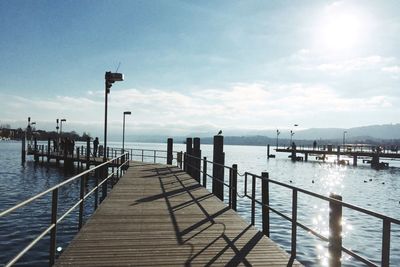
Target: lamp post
[(277, 134), (61, 121), (110, 78), (344, 138), (123, 131), (291, 134)]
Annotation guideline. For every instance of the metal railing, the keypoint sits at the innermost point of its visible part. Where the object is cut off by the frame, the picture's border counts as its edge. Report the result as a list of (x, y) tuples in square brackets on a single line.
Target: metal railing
[(121, 163), (335, 216)]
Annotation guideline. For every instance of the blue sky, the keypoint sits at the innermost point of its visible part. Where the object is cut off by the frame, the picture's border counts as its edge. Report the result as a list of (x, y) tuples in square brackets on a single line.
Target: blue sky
[(199, 66)]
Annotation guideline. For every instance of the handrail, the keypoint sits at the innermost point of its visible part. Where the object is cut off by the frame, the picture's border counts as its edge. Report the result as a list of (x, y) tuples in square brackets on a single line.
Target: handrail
[(386, 219), (54, 221)]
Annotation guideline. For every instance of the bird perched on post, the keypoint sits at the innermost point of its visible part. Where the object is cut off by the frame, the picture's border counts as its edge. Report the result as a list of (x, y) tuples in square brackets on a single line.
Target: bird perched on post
[(220, 132)]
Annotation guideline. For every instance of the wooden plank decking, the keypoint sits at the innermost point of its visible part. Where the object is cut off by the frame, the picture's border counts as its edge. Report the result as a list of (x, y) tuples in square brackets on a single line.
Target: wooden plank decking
[(158, 215)]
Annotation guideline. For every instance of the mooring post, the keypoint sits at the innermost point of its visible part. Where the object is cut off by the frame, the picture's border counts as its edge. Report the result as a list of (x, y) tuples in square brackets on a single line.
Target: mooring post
[(335, 231), (23, 151), (338, 153), (170, 144), (218, 169), (265, 202), (78, 157), (306, 157), (234, 187), (48, 150), (87, 152), (189, 153), (354, 160), (294, 157), (196, 159), (205, 172), (268, 151), (35, 144)]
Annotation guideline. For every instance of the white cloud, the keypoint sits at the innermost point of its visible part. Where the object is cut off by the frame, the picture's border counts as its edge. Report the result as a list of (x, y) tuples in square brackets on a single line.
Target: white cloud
[(392, 69), (241, 106)]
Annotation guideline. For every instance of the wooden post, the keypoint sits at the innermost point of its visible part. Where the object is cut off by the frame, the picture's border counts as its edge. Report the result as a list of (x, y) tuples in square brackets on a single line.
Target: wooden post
[(87, 153), (335, 232), (189, 153), (234, 187), (205, 172), (218, 169), (170, 143), (354, 160), (338, 153), (53, 232), (48, 150), (23, 151), (268, 151), (386, 243), (294, 157), (265, 202), (197, 159), (306, 157)]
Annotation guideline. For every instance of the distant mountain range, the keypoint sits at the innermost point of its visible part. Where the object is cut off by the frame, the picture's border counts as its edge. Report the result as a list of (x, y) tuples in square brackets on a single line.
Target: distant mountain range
[(387, 133)]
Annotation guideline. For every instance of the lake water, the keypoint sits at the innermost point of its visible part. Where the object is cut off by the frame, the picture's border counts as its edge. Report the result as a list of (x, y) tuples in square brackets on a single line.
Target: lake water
[(375, 190)]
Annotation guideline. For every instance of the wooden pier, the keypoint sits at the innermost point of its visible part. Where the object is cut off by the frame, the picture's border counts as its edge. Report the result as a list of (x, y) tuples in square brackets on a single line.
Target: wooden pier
[(157, 215), (368, 155)]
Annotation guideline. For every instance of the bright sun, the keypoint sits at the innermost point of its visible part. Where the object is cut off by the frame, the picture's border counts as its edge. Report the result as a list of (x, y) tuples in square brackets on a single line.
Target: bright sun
[(338, 30)]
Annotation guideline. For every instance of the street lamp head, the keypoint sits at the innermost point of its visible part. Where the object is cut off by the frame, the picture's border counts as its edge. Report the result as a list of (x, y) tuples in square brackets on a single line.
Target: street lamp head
[(114, 77), (127, 113), (63, 120)]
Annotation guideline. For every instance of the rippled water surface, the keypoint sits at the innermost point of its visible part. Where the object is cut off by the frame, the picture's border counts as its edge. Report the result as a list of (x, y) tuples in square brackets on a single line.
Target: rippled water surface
[(362, 186)]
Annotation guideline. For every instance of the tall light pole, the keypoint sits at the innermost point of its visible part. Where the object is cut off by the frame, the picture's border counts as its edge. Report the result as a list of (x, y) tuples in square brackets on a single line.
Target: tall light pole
[(123, 131), (291, 134), (344, 138), (110, 78), (61, 121), (277, 134)]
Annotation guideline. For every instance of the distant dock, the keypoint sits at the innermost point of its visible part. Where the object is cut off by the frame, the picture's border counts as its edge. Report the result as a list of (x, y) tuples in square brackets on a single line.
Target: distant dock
[(368, 154)]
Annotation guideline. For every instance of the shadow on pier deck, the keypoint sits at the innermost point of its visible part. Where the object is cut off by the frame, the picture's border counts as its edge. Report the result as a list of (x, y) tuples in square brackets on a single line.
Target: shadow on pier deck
[(159, 215)]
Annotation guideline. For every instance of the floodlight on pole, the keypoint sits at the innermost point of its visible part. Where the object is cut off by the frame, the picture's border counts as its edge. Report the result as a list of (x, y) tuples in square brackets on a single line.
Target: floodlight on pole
[(110, 78), (123, 130)]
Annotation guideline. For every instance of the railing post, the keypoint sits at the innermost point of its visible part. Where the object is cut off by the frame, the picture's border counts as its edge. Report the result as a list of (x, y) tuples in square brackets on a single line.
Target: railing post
[(218, 169), (104, 185), (81, 205), (155, 156), (265, 202), (142, 155), (386, 243), (205, 172), (294, 224), (253, 199), (53, 232), (87, 152), (335, 231), (170, 142), (189, 159), (96, 192), (234, 187), (230, 188), (184, 162)]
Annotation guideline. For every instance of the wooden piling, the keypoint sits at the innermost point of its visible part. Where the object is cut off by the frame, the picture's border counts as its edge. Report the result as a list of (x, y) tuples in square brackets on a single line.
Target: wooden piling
[(268, 151), (265, 203), (23, 151), (196, 159), (189, 152), (335, 231), (218, 169), (169, 151)]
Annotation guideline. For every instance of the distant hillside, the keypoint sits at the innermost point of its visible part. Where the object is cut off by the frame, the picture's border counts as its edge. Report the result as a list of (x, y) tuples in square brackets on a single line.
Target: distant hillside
[(379, 134)]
